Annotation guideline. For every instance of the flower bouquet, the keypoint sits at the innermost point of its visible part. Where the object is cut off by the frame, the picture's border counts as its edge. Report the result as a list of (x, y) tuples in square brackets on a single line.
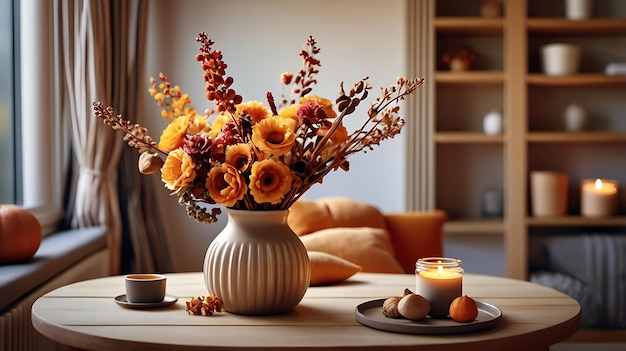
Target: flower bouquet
[(254, 156)]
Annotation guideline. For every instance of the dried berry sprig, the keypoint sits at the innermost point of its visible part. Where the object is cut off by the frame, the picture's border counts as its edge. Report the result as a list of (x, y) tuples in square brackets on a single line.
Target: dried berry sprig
[(386, 123), (305, 78), (173, 102), (382, 123), (217, 84), (135, 135)]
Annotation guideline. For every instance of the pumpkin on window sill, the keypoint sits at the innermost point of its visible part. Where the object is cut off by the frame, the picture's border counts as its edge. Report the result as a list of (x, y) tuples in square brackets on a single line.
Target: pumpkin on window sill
[(20, 234), (459, 59)]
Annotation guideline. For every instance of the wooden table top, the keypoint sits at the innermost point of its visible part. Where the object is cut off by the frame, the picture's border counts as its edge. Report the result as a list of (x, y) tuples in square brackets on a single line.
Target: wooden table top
[(84, 315)]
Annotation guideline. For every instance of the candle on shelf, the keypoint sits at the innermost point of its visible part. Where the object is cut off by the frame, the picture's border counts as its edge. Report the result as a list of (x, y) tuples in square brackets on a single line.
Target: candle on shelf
[(439, 280), (598, 198)]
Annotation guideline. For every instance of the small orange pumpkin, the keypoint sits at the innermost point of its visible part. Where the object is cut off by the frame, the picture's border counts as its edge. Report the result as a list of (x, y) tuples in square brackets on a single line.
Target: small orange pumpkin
[(20, 234), (463, 309)]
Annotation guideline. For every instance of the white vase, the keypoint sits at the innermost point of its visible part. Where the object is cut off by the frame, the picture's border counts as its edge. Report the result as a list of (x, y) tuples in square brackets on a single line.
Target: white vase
[(492, 122), (257, 265), (575, 117), (578, 9)]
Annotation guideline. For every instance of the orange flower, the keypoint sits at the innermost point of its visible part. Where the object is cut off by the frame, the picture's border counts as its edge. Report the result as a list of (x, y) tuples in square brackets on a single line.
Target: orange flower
[(197, 124), (269, 181), (173, 135), (326, 104), (273, 135), (290, 112), (239, 156), (217, 125), (178, 170), (226, 186), (255, 109)]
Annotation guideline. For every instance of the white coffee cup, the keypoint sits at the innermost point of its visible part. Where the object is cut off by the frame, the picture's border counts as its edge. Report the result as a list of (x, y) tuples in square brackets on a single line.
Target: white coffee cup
[(145, 287), (560, 59)]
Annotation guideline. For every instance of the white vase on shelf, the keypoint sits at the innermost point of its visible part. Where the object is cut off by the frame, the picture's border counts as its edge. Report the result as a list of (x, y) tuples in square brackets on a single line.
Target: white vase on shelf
[(578, 9), (575, 117), (492, 122)]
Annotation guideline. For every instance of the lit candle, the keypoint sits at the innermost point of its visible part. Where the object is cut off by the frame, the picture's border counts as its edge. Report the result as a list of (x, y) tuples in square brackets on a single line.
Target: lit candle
[(439, 280), (598, 198)]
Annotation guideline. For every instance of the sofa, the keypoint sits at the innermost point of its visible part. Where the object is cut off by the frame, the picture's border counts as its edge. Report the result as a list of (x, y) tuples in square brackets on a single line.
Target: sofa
[(340, 232)]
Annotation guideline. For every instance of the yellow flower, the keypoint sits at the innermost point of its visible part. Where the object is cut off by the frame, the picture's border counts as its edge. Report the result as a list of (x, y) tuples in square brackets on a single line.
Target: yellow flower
[(178, 104), (273, 135), (289, 112), (326, 104), (178, 170), (173, 135), (269, 181), (226, 186), (255, 109), (239, 156), (197, 124), (217, 125)]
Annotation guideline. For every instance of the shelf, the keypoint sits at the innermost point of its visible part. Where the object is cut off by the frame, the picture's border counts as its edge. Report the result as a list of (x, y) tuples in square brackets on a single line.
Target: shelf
[(576, 137), (469, 26), (562, 26), (474, 226), (577, 80), (471, 77), (467, 137), (508, 76), (576, 221)]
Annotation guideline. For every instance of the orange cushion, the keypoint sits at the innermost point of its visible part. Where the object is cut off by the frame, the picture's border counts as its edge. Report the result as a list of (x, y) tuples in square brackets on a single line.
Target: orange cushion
[(308, 216), (369, 248), (327, 268), (415, 235)]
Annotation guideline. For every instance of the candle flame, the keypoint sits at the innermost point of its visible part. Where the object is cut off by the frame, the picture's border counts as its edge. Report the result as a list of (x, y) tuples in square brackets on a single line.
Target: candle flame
[(439, 270), (598, 184)]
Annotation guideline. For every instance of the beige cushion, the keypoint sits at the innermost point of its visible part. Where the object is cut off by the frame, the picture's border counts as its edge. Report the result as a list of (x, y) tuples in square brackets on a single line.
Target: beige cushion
[(327, 268), (367, 247)]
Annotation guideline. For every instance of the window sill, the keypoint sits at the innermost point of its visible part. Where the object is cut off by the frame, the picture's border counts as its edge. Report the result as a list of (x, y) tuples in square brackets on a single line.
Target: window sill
[(57, 253)]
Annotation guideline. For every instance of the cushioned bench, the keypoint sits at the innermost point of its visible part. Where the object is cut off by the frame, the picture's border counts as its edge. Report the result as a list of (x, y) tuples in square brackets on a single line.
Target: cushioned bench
[(58, 252)]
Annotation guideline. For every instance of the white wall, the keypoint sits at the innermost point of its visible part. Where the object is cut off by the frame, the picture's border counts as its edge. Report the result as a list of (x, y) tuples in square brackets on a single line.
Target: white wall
[(259, 41)]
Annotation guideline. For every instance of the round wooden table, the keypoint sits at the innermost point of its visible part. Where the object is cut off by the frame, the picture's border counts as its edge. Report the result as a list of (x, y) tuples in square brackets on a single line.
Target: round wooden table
[(84, 315)]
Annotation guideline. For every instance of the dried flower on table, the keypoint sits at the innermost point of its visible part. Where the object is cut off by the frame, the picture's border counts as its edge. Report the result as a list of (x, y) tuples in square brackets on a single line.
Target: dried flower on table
[(206, 305)]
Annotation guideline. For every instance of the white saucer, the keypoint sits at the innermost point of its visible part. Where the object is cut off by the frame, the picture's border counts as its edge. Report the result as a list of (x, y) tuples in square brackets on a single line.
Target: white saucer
[(167, 300)]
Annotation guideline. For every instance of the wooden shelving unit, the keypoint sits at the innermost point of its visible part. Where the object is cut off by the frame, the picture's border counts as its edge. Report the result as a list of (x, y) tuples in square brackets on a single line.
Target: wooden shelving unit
[(470, 78), (509, 78)]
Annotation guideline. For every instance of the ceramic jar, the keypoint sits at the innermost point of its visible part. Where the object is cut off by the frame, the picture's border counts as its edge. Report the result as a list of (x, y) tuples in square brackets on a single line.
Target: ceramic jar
[(257, 265), (560, 59)]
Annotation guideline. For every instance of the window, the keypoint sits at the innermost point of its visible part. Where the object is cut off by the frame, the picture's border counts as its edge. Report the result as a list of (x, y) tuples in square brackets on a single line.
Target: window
[(33, 151), (8, 177)]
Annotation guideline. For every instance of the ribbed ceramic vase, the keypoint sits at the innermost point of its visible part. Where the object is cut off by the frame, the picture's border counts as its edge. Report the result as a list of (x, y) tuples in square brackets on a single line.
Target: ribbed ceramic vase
[(257, 265)]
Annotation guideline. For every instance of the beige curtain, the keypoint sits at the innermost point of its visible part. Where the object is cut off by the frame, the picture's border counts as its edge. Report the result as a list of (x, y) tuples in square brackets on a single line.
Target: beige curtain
[(99, 47)]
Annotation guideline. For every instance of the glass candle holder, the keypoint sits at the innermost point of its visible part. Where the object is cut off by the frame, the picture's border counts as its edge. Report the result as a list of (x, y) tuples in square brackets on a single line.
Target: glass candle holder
[(439, 280), (598, 197)]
